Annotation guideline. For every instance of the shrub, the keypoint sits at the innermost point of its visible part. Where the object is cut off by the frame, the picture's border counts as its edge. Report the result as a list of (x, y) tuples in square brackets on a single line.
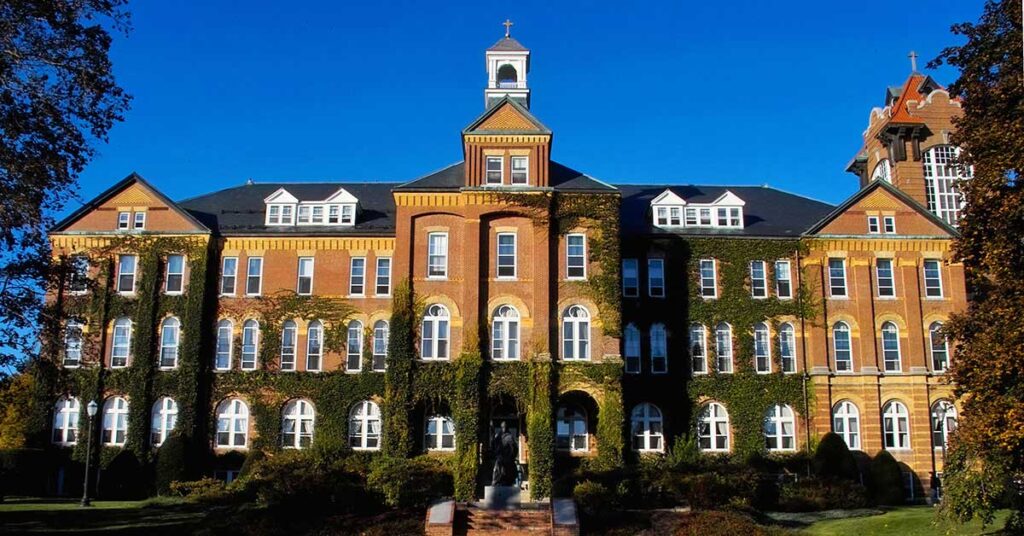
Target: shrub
[(203, 490), (814, 494), (834, 461), (170, 463), (299, 480), (410, 482), (711, 490), (886, 483), (716, 523), (121, 478), (593, 498), (22, 472)]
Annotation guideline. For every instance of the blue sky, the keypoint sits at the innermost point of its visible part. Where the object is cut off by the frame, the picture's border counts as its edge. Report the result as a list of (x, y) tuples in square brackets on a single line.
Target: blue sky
[(728, 92)]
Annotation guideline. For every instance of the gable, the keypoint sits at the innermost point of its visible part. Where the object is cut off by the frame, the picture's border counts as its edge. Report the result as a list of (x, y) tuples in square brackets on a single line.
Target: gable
[(132, 195), (281, 196), (910, 218), (668, 197), (506, 117)]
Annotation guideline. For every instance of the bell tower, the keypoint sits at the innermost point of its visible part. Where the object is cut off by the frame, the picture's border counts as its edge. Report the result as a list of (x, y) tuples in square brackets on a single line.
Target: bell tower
[(508, 62)]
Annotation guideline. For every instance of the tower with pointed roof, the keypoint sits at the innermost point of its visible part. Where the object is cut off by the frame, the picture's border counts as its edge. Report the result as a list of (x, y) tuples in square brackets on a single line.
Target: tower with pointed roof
[(508, 63)]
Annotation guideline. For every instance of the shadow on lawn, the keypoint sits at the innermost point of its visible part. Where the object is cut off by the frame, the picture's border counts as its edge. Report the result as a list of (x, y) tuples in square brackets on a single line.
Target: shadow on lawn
[(150, 520)]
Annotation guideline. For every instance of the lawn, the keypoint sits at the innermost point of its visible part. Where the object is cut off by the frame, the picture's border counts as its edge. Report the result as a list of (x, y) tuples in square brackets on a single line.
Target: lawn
[(907, 521)]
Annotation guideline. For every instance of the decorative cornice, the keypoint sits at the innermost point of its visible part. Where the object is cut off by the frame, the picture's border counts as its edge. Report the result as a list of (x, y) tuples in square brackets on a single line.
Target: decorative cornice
[(377, 244)]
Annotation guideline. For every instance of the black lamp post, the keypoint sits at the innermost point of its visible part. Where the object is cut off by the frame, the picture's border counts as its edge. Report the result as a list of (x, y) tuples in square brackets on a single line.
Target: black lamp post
[(91, 411), (940, 414)]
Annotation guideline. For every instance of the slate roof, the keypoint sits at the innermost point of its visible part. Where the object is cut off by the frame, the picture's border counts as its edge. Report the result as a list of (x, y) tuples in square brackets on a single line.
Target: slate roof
[(508, 44), (768, 212), (560, 177)]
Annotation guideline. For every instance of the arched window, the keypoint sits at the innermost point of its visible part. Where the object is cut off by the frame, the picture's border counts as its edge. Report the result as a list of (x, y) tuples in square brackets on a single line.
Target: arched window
[(314, 346), (507, 77), (571, 429), (659, 349), (891, 347), (380, 345), (250, 344), (162, 420), (297, 421), (698, 348), (631, 347), (289, 332), (440, 433), (364, 426), (787, 347), (841, 345), (435, 333), (222, 359), (896, 425), (939, 347), (779, 428), (170, 337), (73, 343), (762, 349), (646, 423), (232, 424), (883, 171), (941, 174), (115, 421), (723, 347), (713, 428), (65, 421), (943, 423), (505, 333), (576, 333), (846, 423), (121, 347), (354, 347)]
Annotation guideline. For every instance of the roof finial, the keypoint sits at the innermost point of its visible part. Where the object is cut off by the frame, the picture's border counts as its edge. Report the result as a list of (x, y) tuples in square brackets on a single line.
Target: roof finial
[(913, 61), (249, 182), (508, 28)]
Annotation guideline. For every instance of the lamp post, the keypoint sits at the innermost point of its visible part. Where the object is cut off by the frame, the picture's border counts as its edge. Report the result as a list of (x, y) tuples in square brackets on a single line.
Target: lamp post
[(91, 411), (940, 414)]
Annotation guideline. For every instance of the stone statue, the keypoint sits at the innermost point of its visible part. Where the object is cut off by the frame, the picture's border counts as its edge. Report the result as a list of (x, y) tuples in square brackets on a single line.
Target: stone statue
[(505, 447)]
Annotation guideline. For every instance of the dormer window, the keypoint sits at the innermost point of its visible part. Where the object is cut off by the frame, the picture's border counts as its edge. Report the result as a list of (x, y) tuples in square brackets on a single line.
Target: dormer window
[(274, 215), (139, 221), (304, 212), (284, 209), (494, 169), (287, 214), (318, 214), (669, 210), (348, 214), (520, 167)]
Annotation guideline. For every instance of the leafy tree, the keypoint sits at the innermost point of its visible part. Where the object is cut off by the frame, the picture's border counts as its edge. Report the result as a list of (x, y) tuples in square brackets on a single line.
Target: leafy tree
[(833, 459), (58, 97), (886, 479), (989, 336), (15, 409)]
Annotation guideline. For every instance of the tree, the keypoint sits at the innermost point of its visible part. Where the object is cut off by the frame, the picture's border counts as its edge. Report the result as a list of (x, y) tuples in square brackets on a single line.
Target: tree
[(16, 407), (58, 97), (989, 336)]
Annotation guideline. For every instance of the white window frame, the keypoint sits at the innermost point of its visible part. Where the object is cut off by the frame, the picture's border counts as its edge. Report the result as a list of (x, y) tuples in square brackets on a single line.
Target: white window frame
[(124, 221), (895, 426), (787, 340), (762, 348), (759, 285), (65, 421), (250, 344), (889, 224), (936, 279), (886, 285), (659, 349), (125, 324), (249, 275), (354, 347), (435, 333), (873, 225), (576, 336), (569, 256), (303, 276), (224, 277), (122, 274), (437, 255), (701, 264), (698, 341), (647, 428), (505, 333), (572, 432), (348, 214), (162, 420), (315, 334), (933, 333), (723, 348), (180, 275), (631, 349), (444, 427), (298, 424), (775, 429), (788, 295), (498, 265), (710, 435), (169, 348), (523, 173), (831, 279), (74, 335), (381, 332), (289, 330), (224, 327), (656, 274), (232, 424), (946, 426), (139, 221), (941, 175), (630, 284), (361, 417), (500, 171), (890, 329), (357, 282), (114, 428), (842, 327), (78, 276), (383, 269), (846, 423)]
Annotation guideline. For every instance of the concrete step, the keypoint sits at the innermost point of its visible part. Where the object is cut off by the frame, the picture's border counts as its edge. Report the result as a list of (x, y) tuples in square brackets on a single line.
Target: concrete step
[(510, 522)]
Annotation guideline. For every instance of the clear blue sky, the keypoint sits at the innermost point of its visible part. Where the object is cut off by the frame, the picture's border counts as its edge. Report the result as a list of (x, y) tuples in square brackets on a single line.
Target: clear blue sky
[(726, 92)]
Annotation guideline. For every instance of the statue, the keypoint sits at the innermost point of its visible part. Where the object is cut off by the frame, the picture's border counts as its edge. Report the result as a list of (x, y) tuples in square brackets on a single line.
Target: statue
[(505, 447)]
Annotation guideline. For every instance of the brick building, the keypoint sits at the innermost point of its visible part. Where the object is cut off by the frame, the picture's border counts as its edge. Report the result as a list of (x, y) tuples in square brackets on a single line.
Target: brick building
[(602, 321)]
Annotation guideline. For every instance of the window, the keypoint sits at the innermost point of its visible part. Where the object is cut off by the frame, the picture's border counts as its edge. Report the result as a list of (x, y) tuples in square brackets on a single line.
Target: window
[(78, 274), (506, 255), (380, 345), (273, 214), (175, 277), (882, 171), (520, 169), (383, 276), (318, 214), (723, 217), (228, 275), (364, 426), (837, 278), (576, 333), (691, 216), (354, 347), (139, 222), (73, 343), (674, 216), (708, 279), (65, 421), (884, 277), (846, 423), (698, 349), (646, 424), (713, 428), (723, 347), (314, 346), (505, 333), (939, 347), (659, 349), (762, 349), (787, 347), (571, 429), (170, 336), (941, 173), (440, 433), (943, 423), (841, 347), (357, 276), (232, 424), (250, 344), (303, 215), (630, 278), (705, 216), (437, 255), (631, 343), (115, 421), (661, 216), (348, 214), (289, 332), (124, 220), (222, 358), (896, 425), (334, 214), (576, 256), (304, 287), (656, 278), (287, 213), (126, 273), (297, 422), (783, 280), (254, 277), (758, 279), (932, 279), (120, 349), (779, 429), (163, 417), (494, 169), (889, 225), (873, 225), (891, 347), (434, 334)]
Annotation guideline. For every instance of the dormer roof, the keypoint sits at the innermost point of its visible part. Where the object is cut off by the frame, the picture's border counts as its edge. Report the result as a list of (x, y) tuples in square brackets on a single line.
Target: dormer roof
[(341, 196), (281, 196), (668, 197)]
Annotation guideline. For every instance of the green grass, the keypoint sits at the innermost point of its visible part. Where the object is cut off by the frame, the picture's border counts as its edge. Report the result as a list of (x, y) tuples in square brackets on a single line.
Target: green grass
[(42, 516), (906, 521)]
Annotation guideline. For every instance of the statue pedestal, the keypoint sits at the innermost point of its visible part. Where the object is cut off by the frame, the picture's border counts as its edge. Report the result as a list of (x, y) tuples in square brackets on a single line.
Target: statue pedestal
[(502, 497)]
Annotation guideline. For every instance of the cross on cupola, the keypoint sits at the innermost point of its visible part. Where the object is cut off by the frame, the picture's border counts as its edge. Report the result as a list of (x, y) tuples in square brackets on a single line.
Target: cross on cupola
[(508, 61), (508, 28)]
